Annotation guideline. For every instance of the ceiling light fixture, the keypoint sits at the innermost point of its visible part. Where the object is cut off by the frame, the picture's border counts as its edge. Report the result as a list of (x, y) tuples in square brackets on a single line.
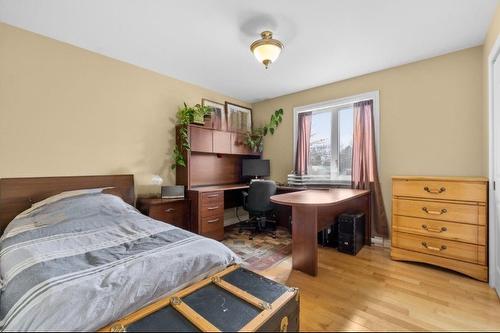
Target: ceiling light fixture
[(267, 49)]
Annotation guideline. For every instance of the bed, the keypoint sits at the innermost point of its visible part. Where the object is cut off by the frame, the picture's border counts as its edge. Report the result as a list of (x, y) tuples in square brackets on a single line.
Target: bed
[(80, 260)]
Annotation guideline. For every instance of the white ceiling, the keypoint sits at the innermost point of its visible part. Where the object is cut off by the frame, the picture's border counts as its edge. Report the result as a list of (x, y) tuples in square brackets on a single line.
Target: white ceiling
[(206, 42)]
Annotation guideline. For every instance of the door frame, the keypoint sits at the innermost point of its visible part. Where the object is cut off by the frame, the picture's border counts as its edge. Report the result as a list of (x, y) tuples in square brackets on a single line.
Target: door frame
[(494, 244)]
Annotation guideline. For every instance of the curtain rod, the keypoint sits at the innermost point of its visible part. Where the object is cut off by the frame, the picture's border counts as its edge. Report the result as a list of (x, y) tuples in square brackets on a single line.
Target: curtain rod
[(335, 105)]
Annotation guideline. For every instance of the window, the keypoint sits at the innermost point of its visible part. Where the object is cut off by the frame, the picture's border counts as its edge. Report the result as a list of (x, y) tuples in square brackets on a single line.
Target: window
[(330, 154), (331, 140)]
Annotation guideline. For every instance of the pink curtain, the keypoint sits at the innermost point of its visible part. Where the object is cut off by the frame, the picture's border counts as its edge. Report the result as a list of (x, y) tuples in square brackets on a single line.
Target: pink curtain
[(364, 164), (303, 141)]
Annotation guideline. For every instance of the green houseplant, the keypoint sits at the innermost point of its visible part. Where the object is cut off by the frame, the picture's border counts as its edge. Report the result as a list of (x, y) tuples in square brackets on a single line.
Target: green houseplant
[(185, 116), (255, 139)]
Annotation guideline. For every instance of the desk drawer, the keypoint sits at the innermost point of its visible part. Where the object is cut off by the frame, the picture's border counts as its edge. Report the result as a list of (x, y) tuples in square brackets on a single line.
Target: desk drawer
[(216, 209), (440, 229), (212, 223), (440, 247), (213, 227), (173, 213), (436, 189), (438, 210), (212, 198)]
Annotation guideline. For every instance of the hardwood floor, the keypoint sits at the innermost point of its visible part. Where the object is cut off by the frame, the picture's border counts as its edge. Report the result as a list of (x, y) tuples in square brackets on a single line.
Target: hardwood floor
[(372, 292)]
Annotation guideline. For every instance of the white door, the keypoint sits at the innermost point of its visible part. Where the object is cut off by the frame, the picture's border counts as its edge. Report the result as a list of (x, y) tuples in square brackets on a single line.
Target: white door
[(495, 239)]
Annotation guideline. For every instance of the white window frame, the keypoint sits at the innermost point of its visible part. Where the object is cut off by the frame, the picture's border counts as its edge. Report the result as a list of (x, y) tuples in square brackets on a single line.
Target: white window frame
[(337, 104)]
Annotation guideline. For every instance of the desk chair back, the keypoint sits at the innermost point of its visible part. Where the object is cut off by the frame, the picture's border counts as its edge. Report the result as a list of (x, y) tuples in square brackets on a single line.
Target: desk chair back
[(259, 196)]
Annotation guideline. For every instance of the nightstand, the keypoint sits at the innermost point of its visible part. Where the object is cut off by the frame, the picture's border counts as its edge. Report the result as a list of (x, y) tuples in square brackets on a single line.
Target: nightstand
[(172, 211)]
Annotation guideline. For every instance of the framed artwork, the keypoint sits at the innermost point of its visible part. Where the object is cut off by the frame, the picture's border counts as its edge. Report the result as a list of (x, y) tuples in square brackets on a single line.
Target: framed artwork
[(218, 116), (239, 118)]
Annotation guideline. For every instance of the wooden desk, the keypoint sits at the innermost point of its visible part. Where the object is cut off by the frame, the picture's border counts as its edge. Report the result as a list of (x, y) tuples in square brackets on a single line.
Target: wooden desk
[(243, 186), (314, 210), (225, 187), (208, 204), (207, 207)]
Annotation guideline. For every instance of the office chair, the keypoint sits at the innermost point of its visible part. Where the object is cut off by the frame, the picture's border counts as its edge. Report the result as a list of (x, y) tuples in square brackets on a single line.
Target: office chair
[(257, 202)]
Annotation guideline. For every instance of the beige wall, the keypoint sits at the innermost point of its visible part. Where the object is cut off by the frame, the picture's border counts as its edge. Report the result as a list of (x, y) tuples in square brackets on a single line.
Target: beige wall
[(491, 37), (68, 111), (430, 113)]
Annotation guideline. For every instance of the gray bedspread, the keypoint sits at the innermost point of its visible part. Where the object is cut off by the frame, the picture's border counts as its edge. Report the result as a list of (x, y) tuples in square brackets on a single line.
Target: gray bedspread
[(82, 262)]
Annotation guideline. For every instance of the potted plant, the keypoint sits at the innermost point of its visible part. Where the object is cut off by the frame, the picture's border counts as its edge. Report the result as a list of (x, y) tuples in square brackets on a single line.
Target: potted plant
[(255, 139), (194, 114), (185, 116)]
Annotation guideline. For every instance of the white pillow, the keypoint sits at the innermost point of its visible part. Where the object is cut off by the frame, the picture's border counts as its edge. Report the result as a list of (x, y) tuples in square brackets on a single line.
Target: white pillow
[(60, 196)]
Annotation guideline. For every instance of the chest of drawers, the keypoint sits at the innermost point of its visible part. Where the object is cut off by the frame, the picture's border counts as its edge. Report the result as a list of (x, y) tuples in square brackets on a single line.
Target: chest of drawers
[(441, 221)]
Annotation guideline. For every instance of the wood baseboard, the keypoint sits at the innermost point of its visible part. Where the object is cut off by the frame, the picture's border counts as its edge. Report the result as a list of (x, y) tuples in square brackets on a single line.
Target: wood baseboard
[(478, 272)]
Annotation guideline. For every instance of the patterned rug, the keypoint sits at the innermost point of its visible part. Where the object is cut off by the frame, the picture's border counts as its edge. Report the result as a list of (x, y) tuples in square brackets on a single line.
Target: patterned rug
[(262, 252)]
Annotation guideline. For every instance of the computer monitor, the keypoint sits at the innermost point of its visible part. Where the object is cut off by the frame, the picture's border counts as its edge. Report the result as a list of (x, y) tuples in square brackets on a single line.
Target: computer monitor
[(255, 168)]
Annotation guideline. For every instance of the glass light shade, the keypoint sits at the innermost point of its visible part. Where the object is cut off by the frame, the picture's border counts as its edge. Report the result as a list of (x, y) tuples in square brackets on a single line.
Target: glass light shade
[(269, 52), (156, 180), (267, 49)]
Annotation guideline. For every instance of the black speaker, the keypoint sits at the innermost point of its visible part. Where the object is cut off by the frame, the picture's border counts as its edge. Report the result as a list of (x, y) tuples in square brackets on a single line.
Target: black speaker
[(351, 233)]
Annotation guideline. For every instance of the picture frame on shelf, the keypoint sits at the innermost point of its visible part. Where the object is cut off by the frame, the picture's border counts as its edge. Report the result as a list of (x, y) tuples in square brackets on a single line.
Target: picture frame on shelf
[(218, 117), (239, 118)]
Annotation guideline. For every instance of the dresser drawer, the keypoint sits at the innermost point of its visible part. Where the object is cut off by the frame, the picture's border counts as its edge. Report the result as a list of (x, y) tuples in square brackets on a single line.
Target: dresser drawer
[(439, 210), (212, 198), (443, 190), (174, 213), (440, 247), (440, 229)]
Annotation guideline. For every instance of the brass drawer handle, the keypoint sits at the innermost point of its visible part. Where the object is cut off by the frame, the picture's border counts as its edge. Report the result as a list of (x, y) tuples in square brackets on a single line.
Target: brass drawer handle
[(434, 191), (442, 229), (213, 221), (212, 208), (212, 196), (433, 248), (434, 212), (169, 210)]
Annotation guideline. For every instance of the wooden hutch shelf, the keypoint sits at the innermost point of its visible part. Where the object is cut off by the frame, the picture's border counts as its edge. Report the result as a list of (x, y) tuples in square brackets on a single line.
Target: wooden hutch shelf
[(214, 160)]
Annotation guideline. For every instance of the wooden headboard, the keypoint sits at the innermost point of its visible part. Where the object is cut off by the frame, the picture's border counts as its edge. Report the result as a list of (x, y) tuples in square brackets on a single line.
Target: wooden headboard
[(18, 194)]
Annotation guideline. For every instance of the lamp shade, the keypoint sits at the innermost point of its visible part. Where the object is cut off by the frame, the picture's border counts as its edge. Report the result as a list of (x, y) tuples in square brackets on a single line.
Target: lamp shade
[(267, 49), (269, 52), (156, 180)]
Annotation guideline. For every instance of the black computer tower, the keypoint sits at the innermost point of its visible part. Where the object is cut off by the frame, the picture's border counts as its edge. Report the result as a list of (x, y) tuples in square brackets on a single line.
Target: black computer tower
[(351, 233)]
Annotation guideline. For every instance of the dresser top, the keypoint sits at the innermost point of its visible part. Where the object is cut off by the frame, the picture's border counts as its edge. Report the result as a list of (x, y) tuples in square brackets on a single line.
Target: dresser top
[(443, 178)]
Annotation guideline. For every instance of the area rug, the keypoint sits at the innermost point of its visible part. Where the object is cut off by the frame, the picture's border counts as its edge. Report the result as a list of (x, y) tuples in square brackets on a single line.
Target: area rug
[(263, 251)]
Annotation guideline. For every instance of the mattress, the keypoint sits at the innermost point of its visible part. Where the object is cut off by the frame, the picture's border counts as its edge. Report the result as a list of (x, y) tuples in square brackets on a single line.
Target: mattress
[(80, 262)]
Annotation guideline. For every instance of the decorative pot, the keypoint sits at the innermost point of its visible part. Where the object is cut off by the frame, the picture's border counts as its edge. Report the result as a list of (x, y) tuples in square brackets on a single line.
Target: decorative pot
[(198, 119)]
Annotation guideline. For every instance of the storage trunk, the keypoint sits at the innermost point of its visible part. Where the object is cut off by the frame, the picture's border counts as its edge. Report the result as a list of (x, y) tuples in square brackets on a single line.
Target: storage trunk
[(235, 299)]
